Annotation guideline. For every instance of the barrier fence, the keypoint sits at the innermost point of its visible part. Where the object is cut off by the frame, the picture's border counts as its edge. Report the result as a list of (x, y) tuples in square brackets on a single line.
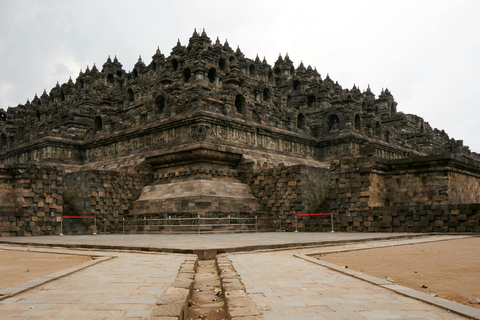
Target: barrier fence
[(314, 214), (200, 224), (196, 225)]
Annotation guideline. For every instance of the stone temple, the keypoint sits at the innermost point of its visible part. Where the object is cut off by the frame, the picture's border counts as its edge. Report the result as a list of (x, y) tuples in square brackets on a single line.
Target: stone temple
[(207, 131)]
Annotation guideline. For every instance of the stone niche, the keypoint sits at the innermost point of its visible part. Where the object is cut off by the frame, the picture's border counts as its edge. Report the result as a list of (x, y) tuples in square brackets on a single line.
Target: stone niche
[(199, 179)]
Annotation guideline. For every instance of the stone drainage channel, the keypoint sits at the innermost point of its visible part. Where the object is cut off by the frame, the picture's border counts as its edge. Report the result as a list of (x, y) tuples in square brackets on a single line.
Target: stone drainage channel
[(206, 287)]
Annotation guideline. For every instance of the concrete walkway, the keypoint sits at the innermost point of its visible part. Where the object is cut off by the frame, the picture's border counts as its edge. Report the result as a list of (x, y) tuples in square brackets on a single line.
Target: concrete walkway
[(282, 285)]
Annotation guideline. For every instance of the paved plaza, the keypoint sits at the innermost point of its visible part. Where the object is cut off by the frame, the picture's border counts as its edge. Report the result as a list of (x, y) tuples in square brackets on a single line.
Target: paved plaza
[(286, 287), (185, 243), (127, 284)]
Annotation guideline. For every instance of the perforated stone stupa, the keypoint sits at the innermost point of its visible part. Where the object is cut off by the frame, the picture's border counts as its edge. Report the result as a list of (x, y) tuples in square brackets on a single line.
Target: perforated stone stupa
[(208, 131)]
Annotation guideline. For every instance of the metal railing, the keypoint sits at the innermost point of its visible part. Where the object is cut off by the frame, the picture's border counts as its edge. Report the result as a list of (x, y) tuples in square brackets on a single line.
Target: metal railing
[(192, 225)]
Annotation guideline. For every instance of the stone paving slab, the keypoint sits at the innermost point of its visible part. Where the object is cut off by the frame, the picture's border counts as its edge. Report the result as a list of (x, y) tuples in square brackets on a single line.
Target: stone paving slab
[(188, 243), (460, 309), (126, 286), (285, 287)]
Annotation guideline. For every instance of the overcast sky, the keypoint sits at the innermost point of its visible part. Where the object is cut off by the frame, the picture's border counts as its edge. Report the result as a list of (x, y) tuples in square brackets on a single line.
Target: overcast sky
[(427, 53)]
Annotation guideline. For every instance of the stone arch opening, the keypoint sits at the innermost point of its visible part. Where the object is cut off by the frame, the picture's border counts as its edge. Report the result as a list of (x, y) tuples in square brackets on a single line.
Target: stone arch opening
[(270, 75), (277, 71), (37, 116), (130, 95), (266, 94), (135, 73), (154, 66), (387, 136), (289, 101), (296, 85), (240, 104), (212, 75), (231, 59), (20, 133), (333, 122), (364, 105), (61, 96), (119, 73), (187, 74), (81, 83), (160, 104), (301, 121), (222, 64), (110, 78), (97, 124), (256, 96), (311, 99), (174, 64), (251, 70), (358, 123), (378, 130), (3, 141)]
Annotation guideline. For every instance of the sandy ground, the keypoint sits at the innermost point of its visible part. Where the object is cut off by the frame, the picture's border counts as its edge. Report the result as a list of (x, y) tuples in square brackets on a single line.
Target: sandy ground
[(17, 267), (449, 269)]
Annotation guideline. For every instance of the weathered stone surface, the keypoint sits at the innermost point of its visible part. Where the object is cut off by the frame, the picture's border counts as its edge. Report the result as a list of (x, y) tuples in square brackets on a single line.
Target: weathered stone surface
[(207, 131)]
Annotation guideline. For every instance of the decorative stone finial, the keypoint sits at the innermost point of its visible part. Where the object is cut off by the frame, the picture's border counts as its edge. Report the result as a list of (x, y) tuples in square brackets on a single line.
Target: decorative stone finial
[(227, 45), (287, 58)]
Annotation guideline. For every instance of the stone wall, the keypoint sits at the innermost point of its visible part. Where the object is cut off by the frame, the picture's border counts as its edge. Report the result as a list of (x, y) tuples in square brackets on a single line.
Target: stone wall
[(285, 192), (420, 218), (429, 180), (7, 195), (408, 195), (107, 195), (31, 198)]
